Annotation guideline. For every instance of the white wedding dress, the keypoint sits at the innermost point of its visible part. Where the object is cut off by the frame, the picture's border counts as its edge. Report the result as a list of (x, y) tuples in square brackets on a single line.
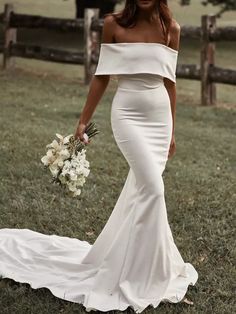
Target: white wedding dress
[(134, 261)]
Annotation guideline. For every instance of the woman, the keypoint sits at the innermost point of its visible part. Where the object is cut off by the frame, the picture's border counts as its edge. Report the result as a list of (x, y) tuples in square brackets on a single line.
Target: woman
[(141, 122), (141, 117), (134, 261)]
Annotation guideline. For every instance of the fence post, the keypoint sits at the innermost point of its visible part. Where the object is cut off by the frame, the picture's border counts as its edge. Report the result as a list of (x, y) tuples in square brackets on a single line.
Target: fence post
[(208, 88), (9, 36), (91, 43)]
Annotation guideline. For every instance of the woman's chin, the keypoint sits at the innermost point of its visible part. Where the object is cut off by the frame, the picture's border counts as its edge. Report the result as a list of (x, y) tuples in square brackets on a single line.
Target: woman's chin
[(146, 4)]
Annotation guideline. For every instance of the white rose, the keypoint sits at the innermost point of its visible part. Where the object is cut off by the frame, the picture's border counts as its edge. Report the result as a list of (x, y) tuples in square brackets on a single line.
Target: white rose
[(45, 160), (54, 145), (71, 186), (48, 158), (58, 162), (67, 139), (73, 177), (59, 136), (64, 153), (86, 172), (77, 193), (54, 170)]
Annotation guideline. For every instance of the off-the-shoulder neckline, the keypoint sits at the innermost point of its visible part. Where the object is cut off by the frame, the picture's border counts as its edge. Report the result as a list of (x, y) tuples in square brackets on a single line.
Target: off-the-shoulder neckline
[(140, 43)]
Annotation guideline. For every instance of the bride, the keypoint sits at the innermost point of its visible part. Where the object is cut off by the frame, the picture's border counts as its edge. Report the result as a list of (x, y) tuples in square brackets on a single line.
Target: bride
[(134, 261)]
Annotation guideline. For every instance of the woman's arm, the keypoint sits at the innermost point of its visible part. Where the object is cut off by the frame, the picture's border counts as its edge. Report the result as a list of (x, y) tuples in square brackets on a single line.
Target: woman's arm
[(97, 86), (170, 85)]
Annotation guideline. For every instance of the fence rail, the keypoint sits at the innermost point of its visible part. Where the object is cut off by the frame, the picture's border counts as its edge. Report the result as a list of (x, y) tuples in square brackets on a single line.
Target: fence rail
[(208, 33), (36, 21), (47, 54)]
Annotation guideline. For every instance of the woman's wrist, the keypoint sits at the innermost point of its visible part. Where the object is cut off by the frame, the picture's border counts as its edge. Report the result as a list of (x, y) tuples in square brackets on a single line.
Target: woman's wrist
[(81, 121)]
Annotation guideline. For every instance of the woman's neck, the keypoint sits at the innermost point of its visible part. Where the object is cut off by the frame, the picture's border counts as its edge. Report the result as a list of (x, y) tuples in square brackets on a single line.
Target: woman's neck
[(147, 15)]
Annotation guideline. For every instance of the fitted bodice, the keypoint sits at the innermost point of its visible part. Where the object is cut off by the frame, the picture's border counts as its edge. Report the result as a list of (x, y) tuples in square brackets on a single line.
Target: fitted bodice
[(136, 58), (139, 81)]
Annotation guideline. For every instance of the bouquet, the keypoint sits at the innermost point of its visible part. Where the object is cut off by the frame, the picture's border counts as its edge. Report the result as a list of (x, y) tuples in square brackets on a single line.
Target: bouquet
[(66, 160)]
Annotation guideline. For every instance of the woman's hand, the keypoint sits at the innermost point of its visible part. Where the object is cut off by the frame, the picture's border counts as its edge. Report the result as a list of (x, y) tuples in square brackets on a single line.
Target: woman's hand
[(172, 148), (80, 133)]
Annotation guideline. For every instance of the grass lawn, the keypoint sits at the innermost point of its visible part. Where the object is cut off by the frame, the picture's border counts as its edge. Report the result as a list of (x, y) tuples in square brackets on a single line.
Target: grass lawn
[(198, 183), (38, 99)]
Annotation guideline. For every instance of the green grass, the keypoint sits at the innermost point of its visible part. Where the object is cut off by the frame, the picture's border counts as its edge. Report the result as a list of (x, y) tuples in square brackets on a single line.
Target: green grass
[(38, 99), (198, 182)]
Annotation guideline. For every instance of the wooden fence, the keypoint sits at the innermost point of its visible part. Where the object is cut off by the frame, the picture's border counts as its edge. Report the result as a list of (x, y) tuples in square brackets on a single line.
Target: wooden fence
[(206, 72)]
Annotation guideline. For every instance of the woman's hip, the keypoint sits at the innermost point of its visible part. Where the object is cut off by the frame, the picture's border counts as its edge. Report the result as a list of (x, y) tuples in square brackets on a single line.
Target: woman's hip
[(142, 121)]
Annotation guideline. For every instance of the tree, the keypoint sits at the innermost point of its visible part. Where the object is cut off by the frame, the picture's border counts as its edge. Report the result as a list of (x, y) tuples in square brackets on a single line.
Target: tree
[(105, 6), (225, 5)]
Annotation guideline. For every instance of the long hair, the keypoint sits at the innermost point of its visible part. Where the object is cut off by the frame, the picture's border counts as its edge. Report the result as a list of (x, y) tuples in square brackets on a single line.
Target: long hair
[(128, 16)]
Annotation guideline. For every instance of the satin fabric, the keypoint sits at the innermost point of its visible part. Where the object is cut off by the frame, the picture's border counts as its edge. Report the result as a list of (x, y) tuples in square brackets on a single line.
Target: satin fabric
[(134, 260), (135, 58)]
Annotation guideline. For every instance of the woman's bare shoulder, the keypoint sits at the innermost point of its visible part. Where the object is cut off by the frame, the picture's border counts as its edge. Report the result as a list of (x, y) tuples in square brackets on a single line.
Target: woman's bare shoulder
[(174, 35), (110, 20), (109, 26), (174, 26)]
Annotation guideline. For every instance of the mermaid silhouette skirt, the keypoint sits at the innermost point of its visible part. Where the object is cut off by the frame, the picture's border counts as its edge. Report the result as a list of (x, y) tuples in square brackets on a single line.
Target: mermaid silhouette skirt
[(134, 260)]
